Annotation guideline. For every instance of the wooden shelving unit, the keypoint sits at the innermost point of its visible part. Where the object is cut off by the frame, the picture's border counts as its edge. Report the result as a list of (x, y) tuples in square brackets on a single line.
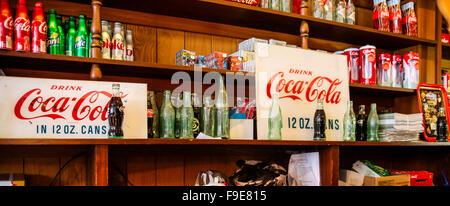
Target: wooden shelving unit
[(160, 29)]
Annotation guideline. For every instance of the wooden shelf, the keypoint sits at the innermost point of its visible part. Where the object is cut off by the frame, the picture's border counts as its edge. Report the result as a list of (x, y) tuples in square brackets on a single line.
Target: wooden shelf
[(225, 12), (208, 142), (380, 90)]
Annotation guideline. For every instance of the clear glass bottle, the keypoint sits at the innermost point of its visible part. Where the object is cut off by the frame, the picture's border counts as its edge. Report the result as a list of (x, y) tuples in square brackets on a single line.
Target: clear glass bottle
[(167, 117), (186, 117), (373, 124), (221, 113), (207, 117), (349, 123), (275, 119)]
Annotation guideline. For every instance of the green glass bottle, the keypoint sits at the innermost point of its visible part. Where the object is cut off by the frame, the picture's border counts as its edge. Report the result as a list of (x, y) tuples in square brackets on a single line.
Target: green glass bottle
[(167, 117), (207, 117), (89, 39), (80, 40), (66, 25), (349, 123), (372, 124), (186, 117), (70, 37), (221, 113), (275, 122), (52, 34), (177, 103), (62, 37)]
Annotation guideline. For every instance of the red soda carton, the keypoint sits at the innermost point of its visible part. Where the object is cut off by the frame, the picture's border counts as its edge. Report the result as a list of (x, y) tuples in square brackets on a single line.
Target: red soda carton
[(367, 55)]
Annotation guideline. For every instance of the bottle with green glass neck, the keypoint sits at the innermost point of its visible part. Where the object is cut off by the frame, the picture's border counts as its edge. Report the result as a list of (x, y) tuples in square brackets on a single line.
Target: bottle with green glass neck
[(275, 119), (177, 103), (66, 25), (70, 37), (62, 38), (207, 117), (167, 117), (89, 39), (80, 40), (186, 117), (372, 124), (221, 113), (53, 33), (349, 123)]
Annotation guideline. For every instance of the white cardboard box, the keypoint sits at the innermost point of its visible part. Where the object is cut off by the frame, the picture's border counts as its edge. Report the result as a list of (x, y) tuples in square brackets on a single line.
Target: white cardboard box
[(241, 129)]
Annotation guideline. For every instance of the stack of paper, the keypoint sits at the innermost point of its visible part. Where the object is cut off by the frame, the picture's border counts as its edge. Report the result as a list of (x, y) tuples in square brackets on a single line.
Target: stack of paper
[(400, 127)]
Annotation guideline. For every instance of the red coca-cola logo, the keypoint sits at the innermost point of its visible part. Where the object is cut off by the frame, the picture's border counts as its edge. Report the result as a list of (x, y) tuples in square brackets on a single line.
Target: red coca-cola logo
[(87, 106), (106, 43), (118, 45), (317, 88), (22, 24), (9, 24)]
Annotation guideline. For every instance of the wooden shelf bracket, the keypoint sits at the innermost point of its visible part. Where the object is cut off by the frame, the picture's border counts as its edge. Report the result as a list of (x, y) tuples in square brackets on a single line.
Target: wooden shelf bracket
[(96, 46)]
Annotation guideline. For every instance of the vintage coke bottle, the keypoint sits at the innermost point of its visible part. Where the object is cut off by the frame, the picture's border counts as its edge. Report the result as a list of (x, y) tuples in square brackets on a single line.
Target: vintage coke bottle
[(106, 40), (118, 42), (6, 25), (361, 124), (70, 37), (409, 19), (130, 47), (380, 15), (411, 70), (80, 40), (319, 122), (22, 28), (115, 113), (275, 120), (395, 16), (384, 73), (62, 36), (354, 65), (221, 113), (152, 115), (53, 37), (367, 55), (167, 117), (373, 124), (186, 117), (397, 70), (207, 117), (442, 127), (39, 30), (197, 107), (349, 123)]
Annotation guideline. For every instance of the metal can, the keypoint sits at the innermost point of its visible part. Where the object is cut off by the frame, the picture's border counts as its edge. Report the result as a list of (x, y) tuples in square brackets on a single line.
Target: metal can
[(411, 70), (367, 56), (397, 70), (106, 40), (118, 43), (384, 75), (354, 66)]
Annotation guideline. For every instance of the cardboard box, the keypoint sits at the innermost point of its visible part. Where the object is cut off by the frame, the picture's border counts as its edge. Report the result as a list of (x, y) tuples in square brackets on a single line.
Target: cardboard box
[(351, 178), (241, 129), (393, 180)]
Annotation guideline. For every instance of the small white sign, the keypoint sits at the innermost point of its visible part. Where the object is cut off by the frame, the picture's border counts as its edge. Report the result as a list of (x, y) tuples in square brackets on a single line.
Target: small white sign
[(50, 108)]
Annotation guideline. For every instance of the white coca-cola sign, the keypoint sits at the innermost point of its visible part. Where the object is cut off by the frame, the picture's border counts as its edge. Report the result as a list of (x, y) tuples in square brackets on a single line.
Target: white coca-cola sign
[(300, 77), (49, 108)]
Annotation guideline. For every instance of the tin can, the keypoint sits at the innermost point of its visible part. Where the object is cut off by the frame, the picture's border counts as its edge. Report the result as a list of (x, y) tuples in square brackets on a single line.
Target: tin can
[(354, 66), (384, 75), (411, 70), (367, 56), (397, 70)]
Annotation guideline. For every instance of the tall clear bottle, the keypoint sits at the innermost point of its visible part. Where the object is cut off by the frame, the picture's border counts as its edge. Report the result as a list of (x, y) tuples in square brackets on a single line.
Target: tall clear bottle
[(275, 119), (373, 124), (221, 113), (207, 117), (349, 123), (177, 103), (167, 117), (186, 117), (319, 122)]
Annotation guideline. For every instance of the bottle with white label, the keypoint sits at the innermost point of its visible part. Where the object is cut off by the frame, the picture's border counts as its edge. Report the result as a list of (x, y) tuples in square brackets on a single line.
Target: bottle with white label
[(130, 47), (106, 40)]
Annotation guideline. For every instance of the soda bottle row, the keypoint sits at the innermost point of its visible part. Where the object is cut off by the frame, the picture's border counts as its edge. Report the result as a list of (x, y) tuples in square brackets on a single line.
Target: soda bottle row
[(388, 17), (361, 127), (342, 11), (115, 43), (19, 33), (184, 116), (365, 67)]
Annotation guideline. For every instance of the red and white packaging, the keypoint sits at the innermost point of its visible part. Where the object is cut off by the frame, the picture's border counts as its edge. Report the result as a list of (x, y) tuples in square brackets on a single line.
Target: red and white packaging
[(380, 15), (397, 70), (409, 19), (354, 65), (248, 2), (6, 26), (445, 38), (367, 55), (411, 70), (22, 27), (384, 75), (395, 16), (39, 30), (445, 77)]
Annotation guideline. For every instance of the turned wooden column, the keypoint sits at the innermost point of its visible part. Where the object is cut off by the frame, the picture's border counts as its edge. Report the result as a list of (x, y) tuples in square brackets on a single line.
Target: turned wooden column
[(304, 28), (96, 45)]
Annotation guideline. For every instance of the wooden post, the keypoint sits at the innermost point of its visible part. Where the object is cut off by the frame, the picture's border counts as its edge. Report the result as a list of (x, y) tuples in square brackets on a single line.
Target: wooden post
[(304, 34), (96, 46), (98, 168)]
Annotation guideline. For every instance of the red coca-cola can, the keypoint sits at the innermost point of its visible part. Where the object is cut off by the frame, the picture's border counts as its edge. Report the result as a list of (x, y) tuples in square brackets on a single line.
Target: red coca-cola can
[(22, 26), (367, 55), (39, 30), (397, 70), (354, 66), (384, 75), (6, 26)]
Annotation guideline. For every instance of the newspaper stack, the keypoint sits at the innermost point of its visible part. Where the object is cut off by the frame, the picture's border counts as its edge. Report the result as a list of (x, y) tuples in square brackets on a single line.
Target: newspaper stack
[(396, 127)]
